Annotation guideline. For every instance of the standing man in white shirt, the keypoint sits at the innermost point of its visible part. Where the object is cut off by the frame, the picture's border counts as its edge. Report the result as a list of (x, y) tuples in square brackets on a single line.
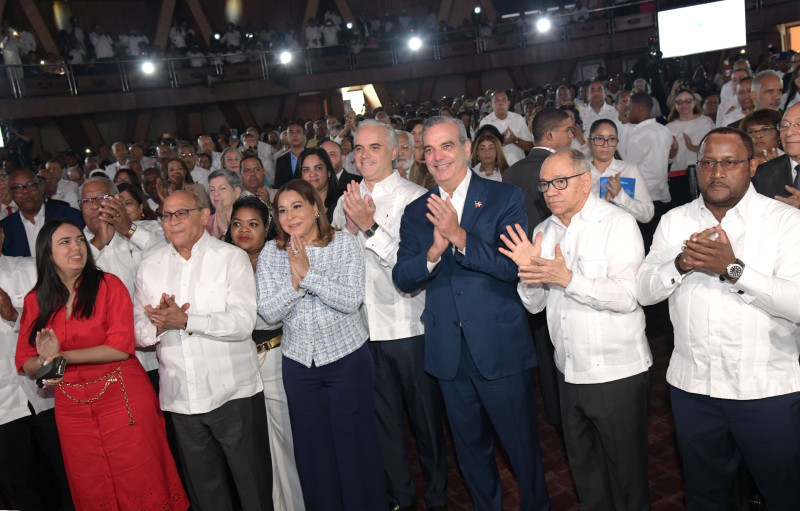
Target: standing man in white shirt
[(728, 264), (65, 190), (372, 211), (195, 300), (597, 107), (646, 143), (187, 154), (582, 267), (517, 139), (121, 154)]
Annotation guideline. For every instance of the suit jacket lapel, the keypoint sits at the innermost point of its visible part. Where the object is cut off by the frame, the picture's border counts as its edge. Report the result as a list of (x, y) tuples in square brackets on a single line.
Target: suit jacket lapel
[(473, 205)]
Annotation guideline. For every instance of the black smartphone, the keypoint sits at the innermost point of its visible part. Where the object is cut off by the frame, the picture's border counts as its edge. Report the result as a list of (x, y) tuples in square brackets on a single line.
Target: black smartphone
[(54, 369)]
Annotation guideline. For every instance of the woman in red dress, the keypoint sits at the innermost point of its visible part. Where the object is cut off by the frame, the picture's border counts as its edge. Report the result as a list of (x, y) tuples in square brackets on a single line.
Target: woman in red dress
[(111, 428)]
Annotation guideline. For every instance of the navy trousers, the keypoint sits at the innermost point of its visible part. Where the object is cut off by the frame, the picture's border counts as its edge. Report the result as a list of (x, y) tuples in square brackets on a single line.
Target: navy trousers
[(332, 410), (714, 435), (474, 405)]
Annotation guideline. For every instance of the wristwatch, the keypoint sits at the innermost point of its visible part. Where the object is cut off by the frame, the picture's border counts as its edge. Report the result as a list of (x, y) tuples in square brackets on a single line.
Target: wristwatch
[(370, 231), (131, 231), (733, 271)]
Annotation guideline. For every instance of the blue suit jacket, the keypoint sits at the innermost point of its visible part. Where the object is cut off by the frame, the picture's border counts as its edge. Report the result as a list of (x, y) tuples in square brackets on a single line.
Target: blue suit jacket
[(475, 292), (16, 242)]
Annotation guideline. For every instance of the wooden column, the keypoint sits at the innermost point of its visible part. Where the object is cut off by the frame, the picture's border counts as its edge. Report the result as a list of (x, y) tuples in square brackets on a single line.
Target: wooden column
[(200, 19), (164, 22), (39, 26)]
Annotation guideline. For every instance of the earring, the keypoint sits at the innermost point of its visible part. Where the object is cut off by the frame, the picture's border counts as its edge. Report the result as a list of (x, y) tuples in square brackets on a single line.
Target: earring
[(317, 216)]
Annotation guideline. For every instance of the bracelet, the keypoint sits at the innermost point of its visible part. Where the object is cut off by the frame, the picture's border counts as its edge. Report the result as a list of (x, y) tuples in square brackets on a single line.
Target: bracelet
[(678, 266)]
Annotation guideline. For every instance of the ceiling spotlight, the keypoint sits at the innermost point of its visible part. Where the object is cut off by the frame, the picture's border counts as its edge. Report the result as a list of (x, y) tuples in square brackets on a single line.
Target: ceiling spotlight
[(543, 25), (217, 36), (349, 25), (477, 9), (285, 57), (148, 68), (742, 51), (88, 151), (415, 43)]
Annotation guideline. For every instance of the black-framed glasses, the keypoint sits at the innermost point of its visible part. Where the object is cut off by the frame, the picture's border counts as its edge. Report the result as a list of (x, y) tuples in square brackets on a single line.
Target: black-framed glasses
[(688, 101), (600, 141), (760, 132), (558, 183), (181, 214), (785, 125), (725, 164), (93, 200), (17, 189)]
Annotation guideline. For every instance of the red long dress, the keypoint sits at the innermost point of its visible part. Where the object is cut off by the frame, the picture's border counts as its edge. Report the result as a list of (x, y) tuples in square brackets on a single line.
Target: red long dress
[(111, 464)]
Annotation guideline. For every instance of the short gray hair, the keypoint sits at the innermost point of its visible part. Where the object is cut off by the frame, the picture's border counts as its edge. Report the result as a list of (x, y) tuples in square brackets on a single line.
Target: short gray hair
[(756, 85), (391, 134), (580, 163), (406, 134), (433, 121), (112, 188), (226, 151), (233, 178)]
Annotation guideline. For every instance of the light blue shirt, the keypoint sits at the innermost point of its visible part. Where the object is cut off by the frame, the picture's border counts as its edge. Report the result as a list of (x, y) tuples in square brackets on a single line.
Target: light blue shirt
[(321, 321)]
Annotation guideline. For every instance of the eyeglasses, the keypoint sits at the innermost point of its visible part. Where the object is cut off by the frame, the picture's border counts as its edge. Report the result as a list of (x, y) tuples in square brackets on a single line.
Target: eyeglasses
[(611, 141), (785, 125), (181, 214), (726, 164), (123, 180), (760, 132), (558, 183), (684, 101), (17, 189), (88, 200), (186, 155)]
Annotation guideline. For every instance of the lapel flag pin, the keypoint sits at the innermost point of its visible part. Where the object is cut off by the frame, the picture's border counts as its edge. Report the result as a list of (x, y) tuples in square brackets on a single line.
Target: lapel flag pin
[(478, 203)]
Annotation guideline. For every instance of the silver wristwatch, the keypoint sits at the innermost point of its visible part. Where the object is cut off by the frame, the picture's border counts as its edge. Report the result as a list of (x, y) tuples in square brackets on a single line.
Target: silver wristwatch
[(370, 231), (733, 271)]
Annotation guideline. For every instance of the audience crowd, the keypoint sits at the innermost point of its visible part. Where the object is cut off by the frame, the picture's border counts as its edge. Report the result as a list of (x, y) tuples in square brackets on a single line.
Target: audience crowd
[(293, 292)]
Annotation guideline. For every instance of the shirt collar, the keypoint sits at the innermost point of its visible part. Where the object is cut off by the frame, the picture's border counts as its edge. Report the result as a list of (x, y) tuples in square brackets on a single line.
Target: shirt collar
[(383, 187), (585, 214), (740, 209), (37, 218), (645, 123), (197, 248), (461, 189)]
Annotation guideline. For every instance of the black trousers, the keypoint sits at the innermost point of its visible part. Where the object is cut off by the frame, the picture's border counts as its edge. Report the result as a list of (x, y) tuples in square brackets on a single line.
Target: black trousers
[(32, 475), (546, 367), (233, 438), (400, 378), (605, 430)]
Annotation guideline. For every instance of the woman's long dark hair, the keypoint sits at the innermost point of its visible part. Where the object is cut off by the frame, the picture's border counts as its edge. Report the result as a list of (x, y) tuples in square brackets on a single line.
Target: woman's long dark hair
[(51, 293), (138, 195), (332, 197)]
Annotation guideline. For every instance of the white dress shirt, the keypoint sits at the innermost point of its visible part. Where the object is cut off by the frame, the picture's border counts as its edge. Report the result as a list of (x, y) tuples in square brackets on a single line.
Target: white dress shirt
[(17, 278), (200, 175), (724, 117), (589, 116), (696, 129), (732, 341), (68, 192), (516, 123), (267, 156), (646, 145), (390, 313), (122, 257), (596, 324), (458, 199), (494, 176), (213, 360), (640, 205), (32, 228), (112, 168)]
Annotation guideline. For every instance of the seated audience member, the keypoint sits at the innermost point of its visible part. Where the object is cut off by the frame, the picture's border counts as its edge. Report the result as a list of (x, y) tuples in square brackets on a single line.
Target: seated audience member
[(744, 105), (334, 151), (597, 326), (250, 221), (688, 126), (153, 185), (22, 227), (286, 165), (487, 159), (603, 140), (111, 430), (201, 323), (405, 154), (253, 178), (311, 277), (780, 176), (199, 173), (56, 186), (126, 176), (179, 178), (762, 128), (727, 263), (136, 204), (516, 138), (225, 187), (766, 90), (314, 166)]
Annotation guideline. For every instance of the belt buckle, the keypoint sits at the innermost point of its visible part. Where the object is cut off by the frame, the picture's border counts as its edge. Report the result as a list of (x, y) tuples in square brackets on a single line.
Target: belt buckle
[(268, 345)]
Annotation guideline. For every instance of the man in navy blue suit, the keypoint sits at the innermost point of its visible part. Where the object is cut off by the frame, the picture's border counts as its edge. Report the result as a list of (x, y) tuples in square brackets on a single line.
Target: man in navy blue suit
[(22, 227), (477, 340)]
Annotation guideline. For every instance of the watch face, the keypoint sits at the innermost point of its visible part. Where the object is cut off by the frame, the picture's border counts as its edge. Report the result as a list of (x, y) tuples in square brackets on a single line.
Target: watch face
[(734, 271)]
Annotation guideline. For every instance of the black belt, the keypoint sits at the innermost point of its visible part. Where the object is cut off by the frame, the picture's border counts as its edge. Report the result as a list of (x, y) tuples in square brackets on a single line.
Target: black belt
[(265, 340)]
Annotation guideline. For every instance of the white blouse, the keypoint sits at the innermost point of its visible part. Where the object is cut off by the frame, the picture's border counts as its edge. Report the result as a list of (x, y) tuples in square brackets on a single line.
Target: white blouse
[(640, 205), (696, 129)]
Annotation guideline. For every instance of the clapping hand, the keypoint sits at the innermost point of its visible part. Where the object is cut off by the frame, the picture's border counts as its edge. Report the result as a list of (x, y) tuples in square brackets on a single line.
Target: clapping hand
[(519, 248), (358, 211), (168, 315), (298, 260), (112, 212), (793, 199), (613, 187), (7, 310), (710, 250)]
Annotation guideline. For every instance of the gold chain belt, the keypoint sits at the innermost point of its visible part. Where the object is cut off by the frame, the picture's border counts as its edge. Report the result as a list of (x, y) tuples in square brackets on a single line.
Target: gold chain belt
[(109, 378)]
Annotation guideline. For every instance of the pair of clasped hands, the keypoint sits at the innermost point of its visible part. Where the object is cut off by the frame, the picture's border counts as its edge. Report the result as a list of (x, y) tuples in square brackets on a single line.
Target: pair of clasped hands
[(48, 348)]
